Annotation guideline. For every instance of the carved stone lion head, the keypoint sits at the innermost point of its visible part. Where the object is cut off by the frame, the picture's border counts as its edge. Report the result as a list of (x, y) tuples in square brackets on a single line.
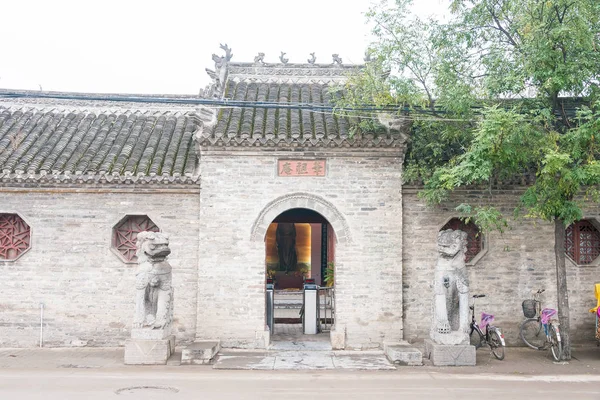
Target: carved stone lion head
[(152, 245), (450, 242)]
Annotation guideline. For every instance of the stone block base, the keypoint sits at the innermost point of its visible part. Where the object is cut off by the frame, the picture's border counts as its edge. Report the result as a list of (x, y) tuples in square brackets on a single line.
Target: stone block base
[(338, 338), (403, 354), (450, 355), (149, 352), (150, 334), (201, 352)]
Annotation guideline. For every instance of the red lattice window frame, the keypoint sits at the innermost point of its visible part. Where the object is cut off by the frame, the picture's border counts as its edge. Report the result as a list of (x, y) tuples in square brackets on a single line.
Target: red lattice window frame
[(582, 242), (474, 236), (15, 236), (125, 235)]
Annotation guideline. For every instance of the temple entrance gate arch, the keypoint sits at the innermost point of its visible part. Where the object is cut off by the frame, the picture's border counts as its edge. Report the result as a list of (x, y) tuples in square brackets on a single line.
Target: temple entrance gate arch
[(301, 200), (328, 234)]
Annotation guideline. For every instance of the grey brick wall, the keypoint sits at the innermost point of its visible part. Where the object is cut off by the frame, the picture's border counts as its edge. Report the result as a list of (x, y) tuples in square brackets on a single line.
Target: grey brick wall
[(236, 187), (384, 267), (86, 290), (517, 262)]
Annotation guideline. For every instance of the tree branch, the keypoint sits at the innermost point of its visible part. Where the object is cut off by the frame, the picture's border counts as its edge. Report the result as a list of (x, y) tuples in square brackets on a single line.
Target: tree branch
[(500, 27)]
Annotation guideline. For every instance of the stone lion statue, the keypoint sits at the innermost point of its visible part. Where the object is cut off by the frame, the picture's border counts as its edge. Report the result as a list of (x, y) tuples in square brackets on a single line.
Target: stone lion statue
[(153, 290), (450, 323)]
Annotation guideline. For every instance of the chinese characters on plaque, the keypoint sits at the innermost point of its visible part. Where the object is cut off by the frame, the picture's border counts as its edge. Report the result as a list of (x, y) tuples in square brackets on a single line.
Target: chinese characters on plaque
[(301, 167)]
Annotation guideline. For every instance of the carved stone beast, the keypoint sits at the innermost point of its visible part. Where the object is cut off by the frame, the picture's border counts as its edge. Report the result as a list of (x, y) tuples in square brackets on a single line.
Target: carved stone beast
[(450, 323), (154, 293)]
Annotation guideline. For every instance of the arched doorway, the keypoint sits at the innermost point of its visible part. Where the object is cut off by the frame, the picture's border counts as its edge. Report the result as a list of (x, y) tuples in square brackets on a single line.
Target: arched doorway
[(299, 245), (300, 234), (299, 248)]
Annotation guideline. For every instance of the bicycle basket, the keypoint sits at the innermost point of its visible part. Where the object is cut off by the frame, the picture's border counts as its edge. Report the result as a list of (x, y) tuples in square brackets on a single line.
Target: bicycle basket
[(529, 308)]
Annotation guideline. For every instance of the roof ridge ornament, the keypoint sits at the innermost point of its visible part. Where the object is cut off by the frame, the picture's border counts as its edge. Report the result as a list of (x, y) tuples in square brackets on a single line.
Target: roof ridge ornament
[(260, 58), (228, 53), (219, 75), (312, 59), (283, 59), (336, 59)]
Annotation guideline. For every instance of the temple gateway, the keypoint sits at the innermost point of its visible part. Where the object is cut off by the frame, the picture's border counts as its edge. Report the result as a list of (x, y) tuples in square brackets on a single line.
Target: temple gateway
[(255, 181)]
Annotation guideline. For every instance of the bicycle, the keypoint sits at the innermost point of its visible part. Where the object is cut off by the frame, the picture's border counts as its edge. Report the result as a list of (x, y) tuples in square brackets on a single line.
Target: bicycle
[(492, 337), (539, 331)]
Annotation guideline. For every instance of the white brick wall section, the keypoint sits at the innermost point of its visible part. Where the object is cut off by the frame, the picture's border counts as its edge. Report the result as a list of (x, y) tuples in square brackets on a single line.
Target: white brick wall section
[(519, 261), (87, 291), (236, 188)]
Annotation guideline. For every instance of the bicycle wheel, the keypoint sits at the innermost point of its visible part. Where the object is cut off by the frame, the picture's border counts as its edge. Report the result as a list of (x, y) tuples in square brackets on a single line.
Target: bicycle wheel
[(555, 344), (496, 344), (475, 338), (532, 333)]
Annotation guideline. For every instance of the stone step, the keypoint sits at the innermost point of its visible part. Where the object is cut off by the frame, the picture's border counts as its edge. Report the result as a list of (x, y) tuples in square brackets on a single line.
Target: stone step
[(298, 345), (286, 313), (288, 293), (403, 354), (200, 352), (175, 358), (295, 301)]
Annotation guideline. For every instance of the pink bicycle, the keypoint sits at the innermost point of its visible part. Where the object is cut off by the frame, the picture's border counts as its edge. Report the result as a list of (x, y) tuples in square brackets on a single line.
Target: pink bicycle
[(492, 337), (540, 331)]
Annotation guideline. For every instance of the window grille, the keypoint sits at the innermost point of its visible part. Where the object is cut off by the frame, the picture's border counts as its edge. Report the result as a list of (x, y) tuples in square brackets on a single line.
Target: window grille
[(125, 235), (582, 242), (474, 236), (15, 236)]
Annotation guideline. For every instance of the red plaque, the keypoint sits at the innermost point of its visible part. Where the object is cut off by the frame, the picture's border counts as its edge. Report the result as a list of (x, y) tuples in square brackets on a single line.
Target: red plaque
[(301, 167)]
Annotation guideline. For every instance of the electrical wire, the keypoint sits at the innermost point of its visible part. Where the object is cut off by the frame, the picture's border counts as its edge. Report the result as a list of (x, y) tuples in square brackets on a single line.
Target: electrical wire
[(228, 103), (223, 102)]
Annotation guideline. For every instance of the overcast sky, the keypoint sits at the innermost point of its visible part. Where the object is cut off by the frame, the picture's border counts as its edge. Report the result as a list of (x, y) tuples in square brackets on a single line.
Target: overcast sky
[(146, 46)]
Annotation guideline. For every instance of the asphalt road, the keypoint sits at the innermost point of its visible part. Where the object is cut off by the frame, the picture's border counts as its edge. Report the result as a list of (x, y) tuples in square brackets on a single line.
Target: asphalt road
[(331, 385)]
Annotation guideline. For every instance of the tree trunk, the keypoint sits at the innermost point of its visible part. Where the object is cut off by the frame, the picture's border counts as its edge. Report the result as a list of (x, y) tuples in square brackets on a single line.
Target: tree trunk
[(561, 285)]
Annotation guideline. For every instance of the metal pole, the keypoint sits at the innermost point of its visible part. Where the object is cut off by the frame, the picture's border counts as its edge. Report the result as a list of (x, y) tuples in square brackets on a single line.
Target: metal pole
[(41, 324), (270, 306)]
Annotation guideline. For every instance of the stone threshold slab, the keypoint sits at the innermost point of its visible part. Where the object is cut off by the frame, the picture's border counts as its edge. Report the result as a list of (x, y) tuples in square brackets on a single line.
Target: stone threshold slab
[(302, 360)]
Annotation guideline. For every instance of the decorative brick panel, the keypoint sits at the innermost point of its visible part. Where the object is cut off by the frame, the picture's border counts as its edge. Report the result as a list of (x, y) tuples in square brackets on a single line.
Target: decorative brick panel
[(125, 235), (15, 236), (582, 242)]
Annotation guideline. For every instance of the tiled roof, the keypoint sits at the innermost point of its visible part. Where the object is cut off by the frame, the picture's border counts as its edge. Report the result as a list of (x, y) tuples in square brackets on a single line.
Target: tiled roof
[(57, 145), (281, 124)]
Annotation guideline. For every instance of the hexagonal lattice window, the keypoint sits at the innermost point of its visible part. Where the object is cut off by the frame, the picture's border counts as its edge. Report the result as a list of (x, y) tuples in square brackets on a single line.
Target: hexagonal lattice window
[(125, 235), (582, 242), (474, 236), (15, 236)]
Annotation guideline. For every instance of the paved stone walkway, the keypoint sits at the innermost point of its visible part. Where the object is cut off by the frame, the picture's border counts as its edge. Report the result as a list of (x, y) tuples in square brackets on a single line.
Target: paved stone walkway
[(302, 360), (519, 361), (292, 350)]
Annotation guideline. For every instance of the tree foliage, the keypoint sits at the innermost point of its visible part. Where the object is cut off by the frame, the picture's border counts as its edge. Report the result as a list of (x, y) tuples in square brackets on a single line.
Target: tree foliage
[(504, 90)]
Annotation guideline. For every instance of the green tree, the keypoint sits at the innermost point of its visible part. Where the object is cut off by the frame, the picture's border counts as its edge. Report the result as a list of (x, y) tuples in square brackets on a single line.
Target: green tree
[(505, 89)]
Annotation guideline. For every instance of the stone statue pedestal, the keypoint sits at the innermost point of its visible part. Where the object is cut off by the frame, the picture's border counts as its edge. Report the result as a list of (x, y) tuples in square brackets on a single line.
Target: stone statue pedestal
[(452, 338), (149, 347), (450, 355)]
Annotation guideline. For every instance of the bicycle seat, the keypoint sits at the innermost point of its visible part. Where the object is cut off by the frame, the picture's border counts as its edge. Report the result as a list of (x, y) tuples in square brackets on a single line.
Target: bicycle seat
[(547, 313), (477, 296)]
